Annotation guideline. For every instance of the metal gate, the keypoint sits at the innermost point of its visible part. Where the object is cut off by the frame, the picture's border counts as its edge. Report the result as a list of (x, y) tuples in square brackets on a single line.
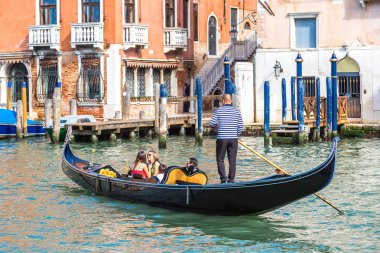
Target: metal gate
[(349, 85), (18, 74), (212, 36)]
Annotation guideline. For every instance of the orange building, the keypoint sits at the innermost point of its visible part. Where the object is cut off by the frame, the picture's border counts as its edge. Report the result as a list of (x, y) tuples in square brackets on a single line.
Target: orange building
[(215, 21), (94, 47)]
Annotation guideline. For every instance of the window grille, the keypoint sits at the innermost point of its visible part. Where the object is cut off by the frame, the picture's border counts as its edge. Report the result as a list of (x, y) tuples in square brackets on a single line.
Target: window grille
[(48, 12), (90, 81), (129, 79), (90, 11), (167, 80), (129, 10), (309, 86), (47, 79), (141, 82)]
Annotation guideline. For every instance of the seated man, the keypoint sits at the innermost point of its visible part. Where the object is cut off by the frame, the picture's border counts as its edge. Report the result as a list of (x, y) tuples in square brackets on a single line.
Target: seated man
[(161, 172), (191, 166)]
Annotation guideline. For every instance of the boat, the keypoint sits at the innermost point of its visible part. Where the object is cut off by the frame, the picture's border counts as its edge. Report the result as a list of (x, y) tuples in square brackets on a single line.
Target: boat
[(67, 120), (8, 120), (251, 197)]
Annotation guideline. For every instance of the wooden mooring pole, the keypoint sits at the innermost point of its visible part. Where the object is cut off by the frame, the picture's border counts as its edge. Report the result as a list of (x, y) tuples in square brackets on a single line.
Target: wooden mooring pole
[(126, 101), (9, 96), (24, 109), (73, 107), (163, 122), (266, 113), (199, 133), (19, 116), (56, 112), (157, 109), (47, 112)]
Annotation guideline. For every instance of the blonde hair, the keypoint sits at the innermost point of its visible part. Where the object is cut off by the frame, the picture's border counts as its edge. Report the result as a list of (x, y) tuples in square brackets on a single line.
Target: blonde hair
[(154, 154)]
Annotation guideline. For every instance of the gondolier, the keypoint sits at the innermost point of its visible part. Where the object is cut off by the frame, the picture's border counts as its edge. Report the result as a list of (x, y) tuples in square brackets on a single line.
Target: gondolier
[(230, 124)]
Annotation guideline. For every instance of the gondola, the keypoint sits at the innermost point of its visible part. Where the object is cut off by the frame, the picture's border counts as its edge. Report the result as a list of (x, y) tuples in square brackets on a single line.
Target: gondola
[(256, 197)]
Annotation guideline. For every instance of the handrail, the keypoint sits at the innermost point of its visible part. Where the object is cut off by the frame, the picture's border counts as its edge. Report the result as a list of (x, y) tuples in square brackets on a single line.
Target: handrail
[(239, 50)]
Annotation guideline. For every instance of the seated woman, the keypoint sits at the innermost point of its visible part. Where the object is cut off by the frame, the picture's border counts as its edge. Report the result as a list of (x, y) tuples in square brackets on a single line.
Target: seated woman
[(140, 169), (161, 172), (153, 162)]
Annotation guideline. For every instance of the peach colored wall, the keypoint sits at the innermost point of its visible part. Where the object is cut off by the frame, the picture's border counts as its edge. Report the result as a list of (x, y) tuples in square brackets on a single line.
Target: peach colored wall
[(338, 22), (208, 7), (14, 22)]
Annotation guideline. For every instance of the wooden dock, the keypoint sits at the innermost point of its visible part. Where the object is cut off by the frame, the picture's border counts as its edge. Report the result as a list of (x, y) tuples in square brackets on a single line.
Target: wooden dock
[(289, 128), (124, 128)]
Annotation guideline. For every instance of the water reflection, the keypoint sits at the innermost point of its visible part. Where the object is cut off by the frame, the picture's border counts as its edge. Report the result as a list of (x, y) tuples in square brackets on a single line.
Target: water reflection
[(43, 211)]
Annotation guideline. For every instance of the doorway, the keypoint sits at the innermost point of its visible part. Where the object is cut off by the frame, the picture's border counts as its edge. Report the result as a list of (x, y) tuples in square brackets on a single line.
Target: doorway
[(17, 75), (349, 85)]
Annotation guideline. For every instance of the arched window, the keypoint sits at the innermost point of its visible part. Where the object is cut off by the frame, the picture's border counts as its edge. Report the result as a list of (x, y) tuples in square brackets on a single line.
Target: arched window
[(212, 36)]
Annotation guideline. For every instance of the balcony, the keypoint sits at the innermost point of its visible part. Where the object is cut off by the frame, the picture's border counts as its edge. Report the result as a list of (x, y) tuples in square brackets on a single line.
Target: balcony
[(135, 35), (87, 34), (175, 38), (44, 36)]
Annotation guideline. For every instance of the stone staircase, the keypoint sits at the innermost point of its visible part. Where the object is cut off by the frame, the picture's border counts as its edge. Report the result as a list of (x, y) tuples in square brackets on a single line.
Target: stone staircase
[(213, 70), (286, 134)]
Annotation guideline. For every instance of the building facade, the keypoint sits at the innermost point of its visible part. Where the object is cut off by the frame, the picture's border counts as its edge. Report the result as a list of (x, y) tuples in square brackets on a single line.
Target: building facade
[(95, 48), (316, 29)]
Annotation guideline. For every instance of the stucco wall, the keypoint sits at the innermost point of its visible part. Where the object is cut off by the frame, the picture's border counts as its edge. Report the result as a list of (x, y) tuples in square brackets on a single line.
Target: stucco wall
[(339, 22), (316, 63)]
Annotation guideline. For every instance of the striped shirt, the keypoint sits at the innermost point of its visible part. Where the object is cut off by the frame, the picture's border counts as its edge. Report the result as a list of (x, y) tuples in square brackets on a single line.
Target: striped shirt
[(229, 121)]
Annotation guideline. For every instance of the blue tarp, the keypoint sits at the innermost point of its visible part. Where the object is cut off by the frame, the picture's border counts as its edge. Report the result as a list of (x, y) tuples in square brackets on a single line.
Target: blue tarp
[(9, 117)]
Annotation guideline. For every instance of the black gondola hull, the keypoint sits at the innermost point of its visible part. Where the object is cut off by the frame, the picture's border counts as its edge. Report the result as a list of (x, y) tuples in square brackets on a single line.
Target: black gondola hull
[(257, 196)]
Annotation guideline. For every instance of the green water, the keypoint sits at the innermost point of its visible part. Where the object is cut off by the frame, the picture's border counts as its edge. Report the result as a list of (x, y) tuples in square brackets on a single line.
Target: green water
[(43, 211)]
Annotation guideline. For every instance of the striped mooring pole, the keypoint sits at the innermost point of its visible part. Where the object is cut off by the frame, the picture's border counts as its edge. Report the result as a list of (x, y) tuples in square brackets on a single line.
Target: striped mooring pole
[(334, 95), (302, 136), (266, 113)]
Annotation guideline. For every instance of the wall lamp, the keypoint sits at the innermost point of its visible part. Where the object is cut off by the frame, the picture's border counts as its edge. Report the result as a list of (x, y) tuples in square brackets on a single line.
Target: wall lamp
[(277, 69)]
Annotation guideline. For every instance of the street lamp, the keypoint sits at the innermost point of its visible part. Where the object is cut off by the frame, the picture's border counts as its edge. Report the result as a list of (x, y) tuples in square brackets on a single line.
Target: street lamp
[(233, 33), (277, 69)]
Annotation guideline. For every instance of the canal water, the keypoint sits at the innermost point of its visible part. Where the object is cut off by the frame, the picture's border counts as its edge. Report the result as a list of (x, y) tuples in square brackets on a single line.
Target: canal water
[(44, 211)]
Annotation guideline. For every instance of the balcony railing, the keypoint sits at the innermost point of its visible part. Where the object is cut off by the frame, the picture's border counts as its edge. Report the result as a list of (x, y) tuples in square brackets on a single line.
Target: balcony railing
[(87, 34), (174, 38), (44, 36), (135, 35)]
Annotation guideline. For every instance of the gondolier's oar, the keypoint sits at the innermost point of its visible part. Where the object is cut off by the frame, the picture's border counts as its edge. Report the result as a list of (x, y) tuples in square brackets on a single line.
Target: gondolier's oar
[(283, 171)]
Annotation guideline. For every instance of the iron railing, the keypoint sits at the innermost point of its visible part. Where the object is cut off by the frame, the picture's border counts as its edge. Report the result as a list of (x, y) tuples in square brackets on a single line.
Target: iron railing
[(239, 50)]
